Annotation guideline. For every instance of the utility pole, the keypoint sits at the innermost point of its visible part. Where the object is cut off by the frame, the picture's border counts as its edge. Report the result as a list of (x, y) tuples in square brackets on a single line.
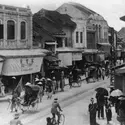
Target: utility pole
[(113, 56)]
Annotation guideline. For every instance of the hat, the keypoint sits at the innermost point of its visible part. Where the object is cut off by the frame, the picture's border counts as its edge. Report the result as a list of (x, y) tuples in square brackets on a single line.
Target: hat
[(55, 99), (36, 80), (39, 83), (28, 83), (13, 77), (53, 77), (16, 115), (48, 79)]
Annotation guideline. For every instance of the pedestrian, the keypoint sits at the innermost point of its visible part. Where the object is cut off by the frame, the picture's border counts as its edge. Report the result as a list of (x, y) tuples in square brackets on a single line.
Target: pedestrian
[(103, 73), (49, 121), (40, 94), (62, 82), (49, 88), (16, 120), (70, 79), (2, 88), (100, 102), (92, 108), (54, 85), (108, 112)]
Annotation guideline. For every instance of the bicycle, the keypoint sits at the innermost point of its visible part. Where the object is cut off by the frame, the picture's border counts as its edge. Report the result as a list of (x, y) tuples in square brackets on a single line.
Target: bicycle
[(61, 121)]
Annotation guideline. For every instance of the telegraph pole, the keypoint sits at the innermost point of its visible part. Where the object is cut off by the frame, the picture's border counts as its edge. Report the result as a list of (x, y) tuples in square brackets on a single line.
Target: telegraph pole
[(113, 56)]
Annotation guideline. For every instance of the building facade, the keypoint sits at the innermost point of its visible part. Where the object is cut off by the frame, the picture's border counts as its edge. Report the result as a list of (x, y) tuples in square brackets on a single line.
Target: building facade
[(91, 27), (15, 27)]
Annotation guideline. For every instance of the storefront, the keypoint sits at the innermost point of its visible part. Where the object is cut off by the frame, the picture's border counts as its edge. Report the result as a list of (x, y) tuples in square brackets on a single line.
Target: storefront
[(21, 63), (68, 56)]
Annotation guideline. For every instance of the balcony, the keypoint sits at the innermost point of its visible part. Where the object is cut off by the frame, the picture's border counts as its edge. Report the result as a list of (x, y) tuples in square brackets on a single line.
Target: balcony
[(12, 44)]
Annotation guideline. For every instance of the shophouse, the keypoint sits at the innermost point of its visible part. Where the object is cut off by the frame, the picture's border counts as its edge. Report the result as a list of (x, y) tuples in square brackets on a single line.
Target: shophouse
[(16, 50), (91, 28), (56, 31)]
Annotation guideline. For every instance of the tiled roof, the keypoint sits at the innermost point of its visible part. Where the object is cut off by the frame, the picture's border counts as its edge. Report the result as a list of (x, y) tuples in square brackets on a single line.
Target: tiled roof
[(53, 21)]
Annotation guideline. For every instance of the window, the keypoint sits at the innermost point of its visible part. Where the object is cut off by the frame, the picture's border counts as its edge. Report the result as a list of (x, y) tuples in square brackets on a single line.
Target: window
[(10, 29), (1, 30), (23, 30), (77, 37), (81, 37)]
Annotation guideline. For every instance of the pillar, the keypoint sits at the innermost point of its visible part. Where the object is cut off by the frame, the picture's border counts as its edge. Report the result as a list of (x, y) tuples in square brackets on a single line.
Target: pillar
[(63, 42)]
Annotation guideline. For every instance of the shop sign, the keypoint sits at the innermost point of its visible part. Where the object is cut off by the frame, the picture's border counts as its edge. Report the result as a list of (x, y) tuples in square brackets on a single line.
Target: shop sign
[(22, 66), (65, 58), (76, 56)]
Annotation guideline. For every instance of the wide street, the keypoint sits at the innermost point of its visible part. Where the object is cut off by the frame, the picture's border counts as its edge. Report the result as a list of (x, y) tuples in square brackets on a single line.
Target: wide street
[(74, 103)]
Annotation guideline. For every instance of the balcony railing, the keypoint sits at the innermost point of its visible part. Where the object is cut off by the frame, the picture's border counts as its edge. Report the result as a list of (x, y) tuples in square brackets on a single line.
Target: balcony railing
[(12, 44)]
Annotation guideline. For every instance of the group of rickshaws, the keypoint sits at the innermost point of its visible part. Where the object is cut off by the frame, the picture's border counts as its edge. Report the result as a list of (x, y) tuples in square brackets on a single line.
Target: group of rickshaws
[(31, 97)]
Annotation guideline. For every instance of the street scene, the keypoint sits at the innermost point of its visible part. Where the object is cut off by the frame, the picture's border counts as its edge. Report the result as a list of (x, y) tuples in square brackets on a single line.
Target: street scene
[(62, 62)]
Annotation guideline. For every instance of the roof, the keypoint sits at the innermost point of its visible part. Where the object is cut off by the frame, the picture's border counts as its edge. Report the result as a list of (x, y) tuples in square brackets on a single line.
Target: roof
[(91, 51), (82, 8), (52, 21), (104, 44), (23, 53), (67, 49), (122, 18)]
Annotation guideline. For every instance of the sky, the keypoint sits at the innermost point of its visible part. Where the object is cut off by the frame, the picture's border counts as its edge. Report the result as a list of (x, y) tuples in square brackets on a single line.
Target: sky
[(111, 10)]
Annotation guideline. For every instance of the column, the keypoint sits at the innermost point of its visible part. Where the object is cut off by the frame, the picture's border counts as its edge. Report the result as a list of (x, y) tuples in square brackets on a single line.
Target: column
[(5, 31), (18, 31), (63, 42)]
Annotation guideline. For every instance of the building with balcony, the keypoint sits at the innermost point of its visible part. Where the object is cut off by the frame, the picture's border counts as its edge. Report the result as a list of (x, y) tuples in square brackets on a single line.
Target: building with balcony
[(18, 58), (15, 27), (91, 27)]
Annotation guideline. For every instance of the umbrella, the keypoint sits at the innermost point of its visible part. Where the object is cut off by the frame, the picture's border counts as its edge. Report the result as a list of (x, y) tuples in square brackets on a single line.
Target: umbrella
[(116, 92), (101, 90)]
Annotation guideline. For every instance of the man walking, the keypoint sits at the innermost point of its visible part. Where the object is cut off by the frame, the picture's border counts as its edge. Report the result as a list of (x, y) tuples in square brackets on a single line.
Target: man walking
[(92, 108)]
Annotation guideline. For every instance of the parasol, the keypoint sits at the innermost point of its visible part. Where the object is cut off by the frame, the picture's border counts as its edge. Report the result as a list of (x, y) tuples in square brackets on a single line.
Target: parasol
[(101, 90), (116, 92)]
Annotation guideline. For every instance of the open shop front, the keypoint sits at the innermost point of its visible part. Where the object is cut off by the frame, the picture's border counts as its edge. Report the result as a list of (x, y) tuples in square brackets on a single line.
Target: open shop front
[(20, 66)]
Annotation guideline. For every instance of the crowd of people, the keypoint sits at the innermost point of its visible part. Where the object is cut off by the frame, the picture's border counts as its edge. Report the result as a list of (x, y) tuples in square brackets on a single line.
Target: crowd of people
[(101, 106)]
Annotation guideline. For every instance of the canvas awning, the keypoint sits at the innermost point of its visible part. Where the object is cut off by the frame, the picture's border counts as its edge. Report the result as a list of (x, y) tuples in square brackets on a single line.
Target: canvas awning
[(120, 70), (21, 62), (104, 44)]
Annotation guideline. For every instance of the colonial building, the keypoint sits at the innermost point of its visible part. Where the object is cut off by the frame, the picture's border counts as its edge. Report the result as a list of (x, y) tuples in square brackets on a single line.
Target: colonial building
[(91, 27), (91, 30), (18, 57)]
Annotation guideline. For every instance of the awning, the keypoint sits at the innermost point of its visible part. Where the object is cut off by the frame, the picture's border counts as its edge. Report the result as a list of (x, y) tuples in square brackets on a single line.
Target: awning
[(104, 44), (120, 70), (51, 58), (21, 62), (50, 43)]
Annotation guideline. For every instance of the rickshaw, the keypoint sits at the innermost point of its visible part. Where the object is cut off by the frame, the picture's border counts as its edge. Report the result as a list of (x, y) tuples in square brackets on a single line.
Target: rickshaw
[(31, 97)]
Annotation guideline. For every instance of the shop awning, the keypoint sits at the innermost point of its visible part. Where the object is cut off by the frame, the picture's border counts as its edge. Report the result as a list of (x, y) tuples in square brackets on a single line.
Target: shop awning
[(120, 70), (21, 62), (51, 58), (104, 44)]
